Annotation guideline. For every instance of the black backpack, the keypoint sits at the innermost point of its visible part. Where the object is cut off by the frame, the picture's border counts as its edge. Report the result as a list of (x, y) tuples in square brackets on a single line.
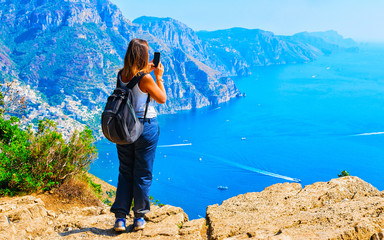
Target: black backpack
[(119, 122)]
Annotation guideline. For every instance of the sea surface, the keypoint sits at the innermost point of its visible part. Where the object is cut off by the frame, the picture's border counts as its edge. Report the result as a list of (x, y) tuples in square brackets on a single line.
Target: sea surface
[(303, 122)]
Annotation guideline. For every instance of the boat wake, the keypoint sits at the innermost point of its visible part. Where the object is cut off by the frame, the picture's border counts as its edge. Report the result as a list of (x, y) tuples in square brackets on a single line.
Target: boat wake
[(215, 109), (176, 145), (255, 170), (252, 169), (368, 134)]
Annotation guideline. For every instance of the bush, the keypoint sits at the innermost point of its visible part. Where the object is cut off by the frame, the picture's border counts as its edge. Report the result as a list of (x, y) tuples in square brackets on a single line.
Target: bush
[(32, 162), (343, 174)]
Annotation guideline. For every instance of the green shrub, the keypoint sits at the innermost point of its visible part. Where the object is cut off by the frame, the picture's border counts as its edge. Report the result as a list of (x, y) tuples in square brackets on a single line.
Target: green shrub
[(343, 174), (96, 188), (107, 202), (180, 224), (155, 202), (32, 162), (111, 193)]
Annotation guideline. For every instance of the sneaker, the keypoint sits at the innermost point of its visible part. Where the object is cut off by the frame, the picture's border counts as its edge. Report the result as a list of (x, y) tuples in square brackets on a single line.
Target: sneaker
[(139, 223), (119, 225)]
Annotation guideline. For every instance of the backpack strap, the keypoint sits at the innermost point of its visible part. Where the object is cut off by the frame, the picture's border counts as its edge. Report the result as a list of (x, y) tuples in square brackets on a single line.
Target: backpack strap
[(146, 107), (135, 80), (118, 84)]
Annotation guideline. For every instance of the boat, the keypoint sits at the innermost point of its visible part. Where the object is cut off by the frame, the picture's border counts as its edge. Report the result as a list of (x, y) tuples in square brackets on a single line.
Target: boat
[(222, 187)]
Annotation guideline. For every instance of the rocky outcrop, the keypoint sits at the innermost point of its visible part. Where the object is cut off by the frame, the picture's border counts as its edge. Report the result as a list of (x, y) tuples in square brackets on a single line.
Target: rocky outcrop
[(343, 208), (28, 218)]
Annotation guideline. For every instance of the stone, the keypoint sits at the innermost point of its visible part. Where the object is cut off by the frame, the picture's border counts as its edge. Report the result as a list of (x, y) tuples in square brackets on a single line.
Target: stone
[(90, 211), (377, 236), (158, 214), (37, 211), (39, 201), (51, 213), (344, 208), (4, 222), (19, 214), (194, 229), (168, 226), (104, 211), (318, 211)]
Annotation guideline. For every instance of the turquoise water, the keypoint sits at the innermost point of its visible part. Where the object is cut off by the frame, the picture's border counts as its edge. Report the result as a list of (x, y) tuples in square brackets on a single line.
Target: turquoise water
[(299, 121)]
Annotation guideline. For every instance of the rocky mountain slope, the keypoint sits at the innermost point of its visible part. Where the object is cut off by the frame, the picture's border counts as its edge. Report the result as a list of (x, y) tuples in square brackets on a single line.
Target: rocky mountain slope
[(69, 51), (328, 42), (240, 49), (254, 47), (343, 208), (176, 34)]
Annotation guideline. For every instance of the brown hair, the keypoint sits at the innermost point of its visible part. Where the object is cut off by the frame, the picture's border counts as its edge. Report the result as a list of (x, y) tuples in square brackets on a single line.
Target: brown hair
[(136, 58)]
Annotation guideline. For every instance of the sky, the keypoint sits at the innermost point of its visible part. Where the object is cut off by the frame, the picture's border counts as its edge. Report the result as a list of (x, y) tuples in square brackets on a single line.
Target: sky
[(357, 19)]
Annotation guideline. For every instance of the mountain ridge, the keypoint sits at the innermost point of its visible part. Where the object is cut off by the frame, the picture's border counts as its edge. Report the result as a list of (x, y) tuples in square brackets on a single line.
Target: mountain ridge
[(56, 47)]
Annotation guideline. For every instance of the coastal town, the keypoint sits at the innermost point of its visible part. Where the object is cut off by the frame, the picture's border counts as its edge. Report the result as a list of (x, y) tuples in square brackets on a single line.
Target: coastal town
[(70, 115)]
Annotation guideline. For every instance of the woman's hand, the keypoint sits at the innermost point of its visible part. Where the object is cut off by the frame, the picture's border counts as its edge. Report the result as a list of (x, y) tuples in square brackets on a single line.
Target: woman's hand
[(159, 71), (151, 66)]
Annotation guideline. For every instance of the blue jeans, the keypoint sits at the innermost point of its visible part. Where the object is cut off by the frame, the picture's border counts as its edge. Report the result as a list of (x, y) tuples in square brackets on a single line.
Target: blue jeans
[(135, 172)]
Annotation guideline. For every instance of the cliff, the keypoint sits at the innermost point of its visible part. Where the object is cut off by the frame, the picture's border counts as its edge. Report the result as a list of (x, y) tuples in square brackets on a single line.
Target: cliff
[(328, 42), (343, 208), (68, 53), (240, 49)]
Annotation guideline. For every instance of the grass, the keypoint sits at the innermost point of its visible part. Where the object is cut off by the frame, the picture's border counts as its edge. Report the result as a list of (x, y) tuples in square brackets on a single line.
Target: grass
[(78, 189)]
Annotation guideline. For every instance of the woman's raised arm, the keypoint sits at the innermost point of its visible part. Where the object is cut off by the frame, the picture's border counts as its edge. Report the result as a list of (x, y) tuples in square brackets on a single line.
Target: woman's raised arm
[(156, 90)]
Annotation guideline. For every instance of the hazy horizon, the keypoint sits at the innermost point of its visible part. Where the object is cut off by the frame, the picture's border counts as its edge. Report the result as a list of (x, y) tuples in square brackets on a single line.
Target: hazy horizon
[(352, 19)]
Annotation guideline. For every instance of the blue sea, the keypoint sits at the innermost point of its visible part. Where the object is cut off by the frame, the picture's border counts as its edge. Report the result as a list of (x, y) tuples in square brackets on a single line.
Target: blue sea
[(302, 121)]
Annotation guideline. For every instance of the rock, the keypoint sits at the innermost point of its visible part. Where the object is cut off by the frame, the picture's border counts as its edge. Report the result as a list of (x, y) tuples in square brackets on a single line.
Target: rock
[(68, 229), (39, 201), (19, 214), (195, 229), (5, 223), (104, 211), (164, 221), (286, 211), (377, 236), (37, 211), (51, 214), (158, 214), (90, 211), (344, 208), (160, 229)]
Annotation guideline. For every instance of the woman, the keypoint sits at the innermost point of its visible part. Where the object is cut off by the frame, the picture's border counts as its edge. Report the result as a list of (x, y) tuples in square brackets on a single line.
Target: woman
[(136, 159)]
